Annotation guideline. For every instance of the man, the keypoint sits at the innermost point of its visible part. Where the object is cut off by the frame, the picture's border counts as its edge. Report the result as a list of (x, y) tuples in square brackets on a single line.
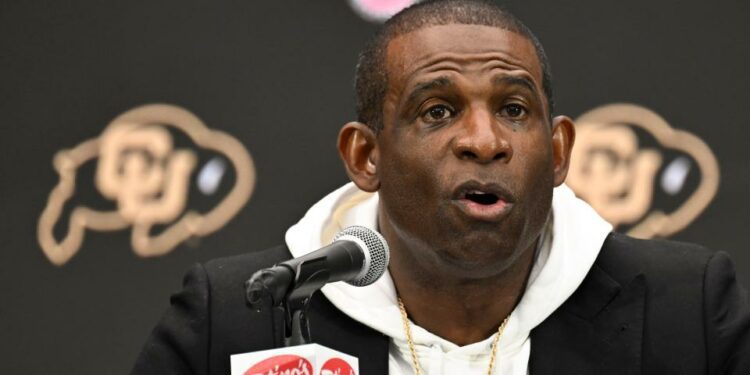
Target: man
[(454, 160)]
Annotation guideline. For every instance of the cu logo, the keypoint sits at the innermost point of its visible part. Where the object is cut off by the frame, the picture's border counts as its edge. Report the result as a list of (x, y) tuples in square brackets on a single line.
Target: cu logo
[(638, 172), (143, 162)]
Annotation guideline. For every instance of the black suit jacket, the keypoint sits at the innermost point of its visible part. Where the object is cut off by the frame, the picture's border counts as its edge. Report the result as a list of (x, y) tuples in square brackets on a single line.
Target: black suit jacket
[(645, 307)]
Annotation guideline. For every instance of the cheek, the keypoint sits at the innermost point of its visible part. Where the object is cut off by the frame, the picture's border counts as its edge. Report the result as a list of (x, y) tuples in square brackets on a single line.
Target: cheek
[(409, 180), (537, 174), (537, 158), (405, 175)]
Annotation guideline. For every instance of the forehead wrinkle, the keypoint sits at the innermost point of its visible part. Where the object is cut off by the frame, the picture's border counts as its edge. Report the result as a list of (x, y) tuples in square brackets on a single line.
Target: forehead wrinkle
[(503, 60), (438, 43), (459, 63), (512, 68)]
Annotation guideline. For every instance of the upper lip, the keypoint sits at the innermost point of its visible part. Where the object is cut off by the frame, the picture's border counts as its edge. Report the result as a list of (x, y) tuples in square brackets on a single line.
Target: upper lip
[(474, 186)]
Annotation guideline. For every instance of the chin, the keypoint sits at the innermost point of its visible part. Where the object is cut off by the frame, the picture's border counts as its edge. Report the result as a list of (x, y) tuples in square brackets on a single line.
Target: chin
[(480, 255)]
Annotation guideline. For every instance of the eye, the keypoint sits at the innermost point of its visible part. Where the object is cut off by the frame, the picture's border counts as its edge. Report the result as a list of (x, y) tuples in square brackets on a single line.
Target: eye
[(437, 113), (514, 111)]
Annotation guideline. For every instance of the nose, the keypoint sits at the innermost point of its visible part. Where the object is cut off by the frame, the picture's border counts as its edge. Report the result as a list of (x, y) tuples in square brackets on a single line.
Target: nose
[(481, 138)]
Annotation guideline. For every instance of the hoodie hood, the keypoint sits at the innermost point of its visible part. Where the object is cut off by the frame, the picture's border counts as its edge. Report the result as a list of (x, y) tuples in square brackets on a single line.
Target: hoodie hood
[(564, 258)]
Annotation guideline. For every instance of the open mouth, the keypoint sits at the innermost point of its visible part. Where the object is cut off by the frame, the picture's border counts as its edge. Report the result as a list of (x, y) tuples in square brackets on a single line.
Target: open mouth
[(481, 197), (484, 202)]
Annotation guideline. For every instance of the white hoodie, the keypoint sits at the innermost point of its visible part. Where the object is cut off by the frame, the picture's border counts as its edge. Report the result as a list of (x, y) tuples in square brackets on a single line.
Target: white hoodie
[(564, 258)]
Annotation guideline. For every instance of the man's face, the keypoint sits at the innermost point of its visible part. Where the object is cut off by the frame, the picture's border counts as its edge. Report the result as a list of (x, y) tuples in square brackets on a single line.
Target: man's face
[(465, 160)]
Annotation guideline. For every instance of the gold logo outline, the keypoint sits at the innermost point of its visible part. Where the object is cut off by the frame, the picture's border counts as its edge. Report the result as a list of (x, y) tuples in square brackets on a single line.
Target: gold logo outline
[(66, 163), (657, 222)]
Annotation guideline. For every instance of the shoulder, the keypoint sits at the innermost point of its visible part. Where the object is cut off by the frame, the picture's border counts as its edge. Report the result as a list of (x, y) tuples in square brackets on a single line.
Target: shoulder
[(687, 286), (223, 280), (208, 319), (624, 257), (673, 277), (234, 270)]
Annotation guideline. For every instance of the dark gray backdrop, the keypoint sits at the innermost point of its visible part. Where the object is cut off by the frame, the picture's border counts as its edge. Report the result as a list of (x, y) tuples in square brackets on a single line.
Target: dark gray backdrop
[(278, 76)]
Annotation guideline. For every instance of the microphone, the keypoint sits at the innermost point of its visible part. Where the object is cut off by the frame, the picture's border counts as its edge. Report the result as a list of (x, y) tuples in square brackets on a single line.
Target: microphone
[(357, 255)]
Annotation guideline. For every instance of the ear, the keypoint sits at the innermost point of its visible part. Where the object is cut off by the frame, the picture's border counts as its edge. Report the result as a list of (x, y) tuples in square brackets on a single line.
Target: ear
[(358, 149), (563, 137)]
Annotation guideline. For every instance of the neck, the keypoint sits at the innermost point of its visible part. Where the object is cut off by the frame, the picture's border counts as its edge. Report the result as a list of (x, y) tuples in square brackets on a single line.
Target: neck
[(460, 310)]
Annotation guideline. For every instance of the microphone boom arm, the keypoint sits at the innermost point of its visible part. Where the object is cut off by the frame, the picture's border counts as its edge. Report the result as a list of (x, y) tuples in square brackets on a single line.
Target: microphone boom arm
[(358, 255), (278, 287)]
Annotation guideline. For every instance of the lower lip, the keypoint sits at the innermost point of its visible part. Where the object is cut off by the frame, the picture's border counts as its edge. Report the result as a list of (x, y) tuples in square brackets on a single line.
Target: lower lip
[(484, 212)]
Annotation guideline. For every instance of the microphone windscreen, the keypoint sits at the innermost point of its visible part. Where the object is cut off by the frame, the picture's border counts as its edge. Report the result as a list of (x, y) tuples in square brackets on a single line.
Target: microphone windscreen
[(376, 252)]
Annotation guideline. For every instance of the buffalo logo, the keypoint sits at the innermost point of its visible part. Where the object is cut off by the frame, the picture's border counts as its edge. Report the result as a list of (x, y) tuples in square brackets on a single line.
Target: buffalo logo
[(638, 172), (141, 170), (285, 364)]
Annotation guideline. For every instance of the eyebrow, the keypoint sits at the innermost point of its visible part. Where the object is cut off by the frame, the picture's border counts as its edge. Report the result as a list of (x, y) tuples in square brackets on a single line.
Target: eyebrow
[(427, 86), (508, 80)]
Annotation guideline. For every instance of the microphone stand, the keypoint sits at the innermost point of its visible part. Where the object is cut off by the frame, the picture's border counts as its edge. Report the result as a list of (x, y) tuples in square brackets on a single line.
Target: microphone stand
[(288, 297)]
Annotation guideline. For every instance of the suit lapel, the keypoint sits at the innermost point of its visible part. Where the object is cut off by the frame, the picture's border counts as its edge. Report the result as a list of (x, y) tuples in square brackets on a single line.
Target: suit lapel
[(598, 330)]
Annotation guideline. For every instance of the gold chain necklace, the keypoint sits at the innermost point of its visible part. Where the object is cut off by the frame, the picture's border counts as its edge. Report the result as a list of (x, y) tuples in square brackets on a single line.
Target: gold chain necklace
[(413, 351)]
